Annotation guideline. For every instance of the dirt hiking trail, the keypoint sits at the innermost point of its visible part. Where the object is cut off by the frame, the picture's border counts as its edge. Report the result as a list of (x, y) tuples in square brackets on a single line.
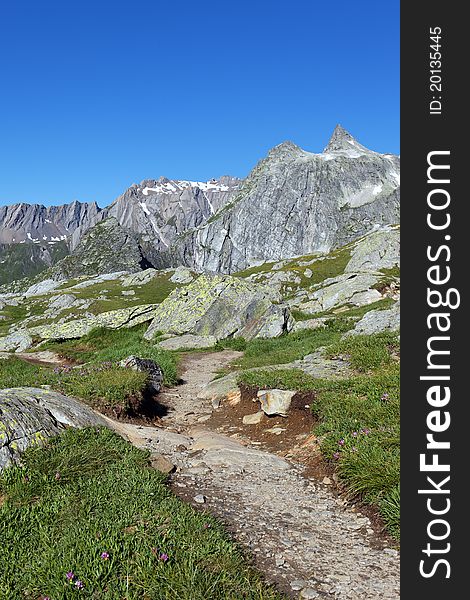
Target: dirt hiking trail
[(301, 535)]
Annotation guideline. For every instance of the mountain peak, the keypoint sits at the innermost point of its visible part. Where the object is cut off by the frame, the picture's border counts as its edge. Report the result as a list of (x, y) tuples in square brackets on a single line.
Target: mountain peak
[(285, 149), (342, 140)]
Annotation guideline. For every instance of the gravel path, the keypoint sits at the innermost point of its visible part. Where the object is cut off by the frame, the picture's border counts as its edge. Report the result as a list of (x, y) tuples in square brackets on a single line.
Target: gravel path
[(303, 538)]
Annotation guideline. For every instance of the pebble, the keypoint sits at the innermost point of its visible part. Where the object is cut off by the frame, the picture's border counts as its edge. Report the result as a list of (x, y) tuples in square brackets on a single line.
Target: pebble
[(298, 584), (199, 499), (308, 594), (279, 560)]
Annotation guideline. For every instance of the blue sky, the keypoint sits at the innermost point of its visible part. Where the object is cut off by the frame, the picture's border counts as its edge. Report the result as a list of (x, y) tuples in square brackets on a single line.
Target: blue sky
[(97, 95)]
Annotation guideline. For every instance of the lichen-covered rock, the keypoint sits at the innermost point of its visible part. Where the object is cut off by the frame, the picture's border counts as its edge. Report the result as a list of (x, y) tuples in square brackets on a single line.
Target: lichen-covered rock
[(28, 416), (349, 288), (17, 341), (139, 278), (376, 251), (188, 342), (182, 275), (221, 306), (146, 365), (376, 321), (114, 319)]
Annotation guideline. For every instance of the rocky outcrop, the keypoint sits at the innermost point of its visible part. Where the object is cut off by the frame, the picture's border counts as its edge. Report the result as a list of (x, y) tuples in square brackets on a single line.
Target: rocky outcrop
[(376, 321), (114, 319), (295, 203), (28, 416), (16, 341), (221, 306), (105, 248), (349, 288), (188, 342), (377, 251)]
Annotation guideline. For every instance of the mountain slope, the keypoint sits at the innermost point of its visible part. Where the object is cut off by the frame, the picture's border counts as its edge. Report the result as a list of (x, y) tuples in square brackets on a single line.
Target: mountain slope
[(105, 248), (157, 211), (294, 203)]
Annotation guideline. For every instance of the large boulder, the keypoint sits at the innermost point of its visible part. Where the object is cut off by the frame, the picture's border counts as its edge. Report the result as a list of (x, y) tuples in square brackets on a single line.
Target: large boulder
[(28, 416), (182, 275), (188, 342), (221, 306)]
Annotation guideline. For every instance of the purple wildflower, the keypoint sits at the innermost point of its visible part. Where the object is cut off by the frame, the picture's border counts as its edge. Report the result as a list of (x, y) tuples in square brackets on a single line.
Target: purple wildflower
[(385, 397), (336, 455), (104, 555), (163, 557), (79, 584), (341, 442), (365, 431), (70, 575), (354, 433)]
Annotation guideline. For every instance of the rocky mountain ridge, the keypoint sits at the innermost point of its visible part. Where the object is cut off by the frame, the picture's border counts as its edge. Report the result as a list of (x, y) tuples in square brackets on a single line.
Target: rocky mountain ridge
[(293, 203)]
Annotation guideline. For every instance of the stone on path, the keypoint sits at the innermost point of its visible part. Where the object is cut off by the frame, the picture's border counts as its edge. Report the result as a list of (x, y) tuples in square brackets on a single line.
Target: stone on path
[(275, 402)]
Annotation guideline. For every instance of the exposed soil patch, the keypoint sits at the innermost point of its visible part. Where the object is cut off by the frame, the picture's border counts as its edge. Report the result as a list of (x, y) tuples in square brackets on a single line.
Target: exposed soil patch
[(274, 433)]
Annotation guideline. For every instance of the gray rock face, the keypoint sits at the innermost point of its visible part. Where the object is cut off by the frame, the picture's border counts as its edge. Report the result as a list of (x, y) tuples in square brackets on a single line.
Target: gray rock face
[(159, 210), (16, 341), (296, 203), (221, 306), (378, 250), (34, 223), (350, 288), (182, 275), (28, 416), (376, 321)]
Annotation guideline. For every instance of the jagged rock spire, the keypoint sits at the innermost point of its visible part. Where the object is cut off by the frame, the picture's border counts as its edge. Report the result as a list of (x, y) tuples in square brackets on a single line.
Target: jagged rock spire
[(342, 140)]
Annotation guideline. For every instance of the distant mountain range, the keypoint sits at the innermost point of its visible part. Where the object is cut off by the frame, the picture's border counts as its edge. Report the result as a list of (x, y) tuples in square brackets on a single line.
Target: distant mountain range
[(293, 203)]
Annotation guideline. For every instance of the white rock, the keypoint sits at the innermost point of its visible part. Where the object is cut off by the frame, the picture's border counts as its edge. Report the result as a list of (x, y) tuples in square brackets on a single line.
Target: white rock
[(275, 402)]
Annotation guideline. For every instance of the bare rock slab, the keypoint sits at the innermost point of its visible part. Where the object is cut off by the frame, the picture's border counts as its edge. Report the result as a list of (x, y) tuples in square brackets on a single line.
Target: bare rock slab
[(28, 416)]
